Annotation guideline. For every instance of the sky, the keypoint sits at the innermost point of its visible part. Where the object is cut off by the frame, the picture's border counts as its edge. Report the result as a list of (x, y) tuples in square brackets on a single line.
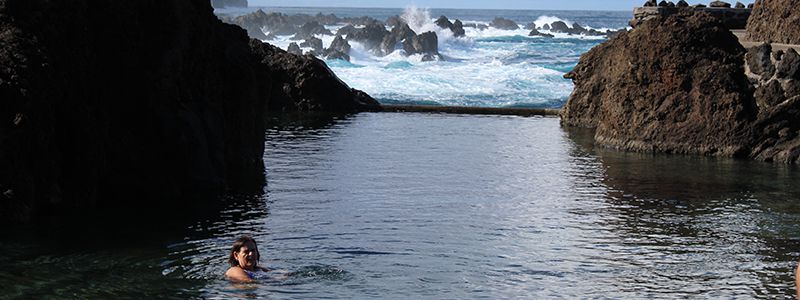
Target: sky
[(476, 4)]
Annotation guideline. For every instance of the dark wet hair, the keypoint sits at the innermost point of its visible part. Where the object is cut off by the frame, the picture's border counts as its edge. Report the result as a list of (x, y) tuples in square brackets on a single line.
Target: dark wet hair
[(237, 245)]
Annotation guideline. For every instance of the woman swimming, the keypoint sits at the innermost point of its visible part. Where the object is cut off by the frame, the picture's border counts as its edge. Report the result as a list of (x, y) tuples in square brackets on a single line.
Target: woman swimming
[(244, 260)]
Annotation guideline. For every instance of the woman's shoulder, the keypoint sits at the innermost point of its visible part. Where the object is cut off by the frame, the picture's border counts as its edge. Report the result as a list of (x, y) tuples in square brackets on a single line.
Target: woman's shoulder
[(237, 273)]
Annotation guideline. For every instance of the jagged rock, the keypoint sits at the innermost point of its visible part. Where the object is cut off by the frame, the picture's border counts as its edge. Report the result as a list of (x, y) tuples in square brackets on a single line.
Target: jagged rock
[(458, 29), (670, 4), (663, 3), (791, 87), (398, 34), (682, 4), (346, 30), (739, 5), (650, 3), (426, 43), (789, 65), (535, 32), (305, 83), (360, 21), (339, 49), (394, 21), (719, 4), (751, 5), (313, 28), (259, 21), (503, 23), (687, 95), (294, 49), (314, 43), (228, 3), (547, 26), (770, 94), (443, 22), (759, 62), (371, 36)]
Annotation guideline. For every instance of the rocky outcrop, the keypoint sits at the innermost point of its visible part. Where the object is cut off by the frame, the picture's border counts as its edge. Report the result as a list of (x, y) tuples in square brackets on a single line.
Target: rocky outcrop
[(673, 84), (294, 49), (228, 3), (339, 49), (398, 34), (535, 32), (426, 43), (677, 84), (305, 83), (503, 23), (774, 21), (314, 43), (371, 36), (456, 27), (309, 30), (138, 106)]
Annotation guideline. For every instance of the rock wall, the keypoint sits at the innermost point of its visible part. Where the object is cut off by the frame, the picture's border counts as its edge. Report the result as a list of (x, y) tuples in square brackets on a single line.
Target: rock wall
[(677, 84), (143, 105), (775, 21)]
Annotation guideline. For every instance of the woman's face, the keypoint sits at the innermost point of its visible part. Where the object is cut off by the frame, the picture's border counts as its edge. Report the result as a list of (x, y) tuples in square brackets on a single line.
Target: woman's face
[(247, 256)]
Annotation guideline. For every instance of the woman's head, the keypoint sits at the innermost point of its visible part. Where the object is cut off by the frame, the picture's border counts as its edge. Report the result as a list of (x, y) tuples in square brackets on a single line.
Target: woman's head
[(244, 253)]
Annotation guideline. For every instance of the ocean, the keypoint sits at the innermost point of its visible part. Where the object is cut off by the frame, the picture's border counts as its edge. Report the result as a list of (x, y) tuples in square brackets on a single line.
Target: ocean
[(486, 68)]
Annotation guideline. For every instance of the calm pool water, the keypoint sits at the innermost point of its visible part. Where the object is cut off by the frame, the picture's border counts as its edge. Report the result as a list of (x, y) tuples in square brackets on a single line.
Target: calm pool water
[(404, 205)]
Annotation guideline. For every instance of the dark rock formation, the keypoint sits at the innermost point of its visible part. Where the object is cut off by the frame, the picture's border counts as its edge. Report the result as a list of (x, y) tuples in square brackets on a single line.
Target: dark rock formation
[(673, 84), (339, 49), (259, 21), (676, 84), (535, 32), (394, 21), (457, 28), (426, 43), (663, 3), (759, 60), (719, 4), (503, 23), (305, 83), (788, 65), (294, 49), (476, 25), (547, 26), (346, 30), (308, 30), (371, 36), (739, 5), (314, 43), (135, 107), (775, 21), (559, 26), (398, 34), (650, 3), (682, 4), (228, 3)]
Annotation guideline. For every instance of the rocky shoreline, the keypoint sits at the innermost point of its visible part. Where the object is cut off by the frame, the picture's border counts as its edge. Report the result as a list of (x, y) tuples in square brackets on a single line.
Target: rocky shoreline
[(683, 84), (140, 106)]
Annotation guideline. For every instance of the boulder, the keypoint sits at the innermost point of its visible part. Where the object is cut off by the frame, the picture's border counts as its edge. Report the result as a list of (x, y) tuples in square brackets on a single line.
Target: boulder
[(789, 65), (458, 29), (503, 23), (759, 62), (750, 6), (682, 4), (559, 26), (294, 49), (650, 3), (426, 43), (394, 21), (371, 36), (739, 5), (314, 43), (547, 26), (313, 28), (443, 22), (398, 34), (663, 3), (791, 87), (535, 32), (769, 94), (673, 84), (339, 49), (719, 4), (346, 30)]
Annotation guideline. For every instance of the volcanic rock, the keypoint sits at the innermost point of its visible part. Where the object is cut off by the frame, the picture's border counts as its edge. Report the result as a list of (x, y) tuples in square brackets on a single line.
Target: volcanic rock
[(770, 94), (346, 30), (228, 3), (789, 65), (672, 84), (559, 26), (426, 43), (682, 4), (719, 4), (650, 3), (394, 21), (339, 49), (371, 36), (314, 43), (443, 22), (458, 29), (503, 23), (759, 62), (739, 5), (398, 34), (294, 49), (535, 32)]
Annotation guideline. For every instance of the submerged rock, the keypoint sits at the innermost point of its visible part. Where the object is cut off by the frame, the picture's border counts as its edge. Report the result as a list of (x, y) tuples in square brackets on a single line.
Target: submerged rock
[(535, 32), (774, 21)]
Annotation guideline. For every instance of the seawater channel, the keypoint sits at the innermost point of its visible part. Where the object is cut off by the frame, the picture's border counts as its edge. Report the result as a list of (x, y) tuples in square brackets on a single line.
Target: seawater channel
[(435, 206)]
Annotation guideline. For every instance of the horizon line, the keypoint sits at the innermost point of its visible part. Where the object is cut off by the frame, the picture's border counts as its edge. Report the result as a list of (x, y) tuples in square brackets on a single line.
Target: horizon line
[(470, 8)]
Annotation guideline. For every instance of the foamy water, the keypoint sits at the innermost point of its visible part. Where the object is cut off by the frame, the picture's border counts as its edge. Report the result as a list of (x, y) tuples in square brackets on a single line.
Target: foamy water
[(489, 67)]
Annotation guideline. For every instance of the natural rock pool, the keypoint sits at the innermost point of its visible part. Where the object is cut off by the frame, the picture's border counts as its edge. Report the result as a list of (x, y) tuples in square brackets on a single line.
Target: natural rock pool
[(391, 205)]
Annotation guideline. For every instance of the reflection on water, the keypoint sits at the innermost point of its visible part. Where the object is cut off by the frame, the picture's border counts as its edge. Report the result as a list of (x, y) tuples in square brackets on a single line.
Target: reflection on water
[(448, 206)]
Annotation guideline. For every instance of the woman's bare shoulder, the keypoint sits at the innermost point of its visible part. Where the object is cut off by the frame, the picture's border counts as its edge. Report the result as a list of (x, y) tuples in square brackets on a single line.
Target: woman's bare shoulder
[(237, 274)]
